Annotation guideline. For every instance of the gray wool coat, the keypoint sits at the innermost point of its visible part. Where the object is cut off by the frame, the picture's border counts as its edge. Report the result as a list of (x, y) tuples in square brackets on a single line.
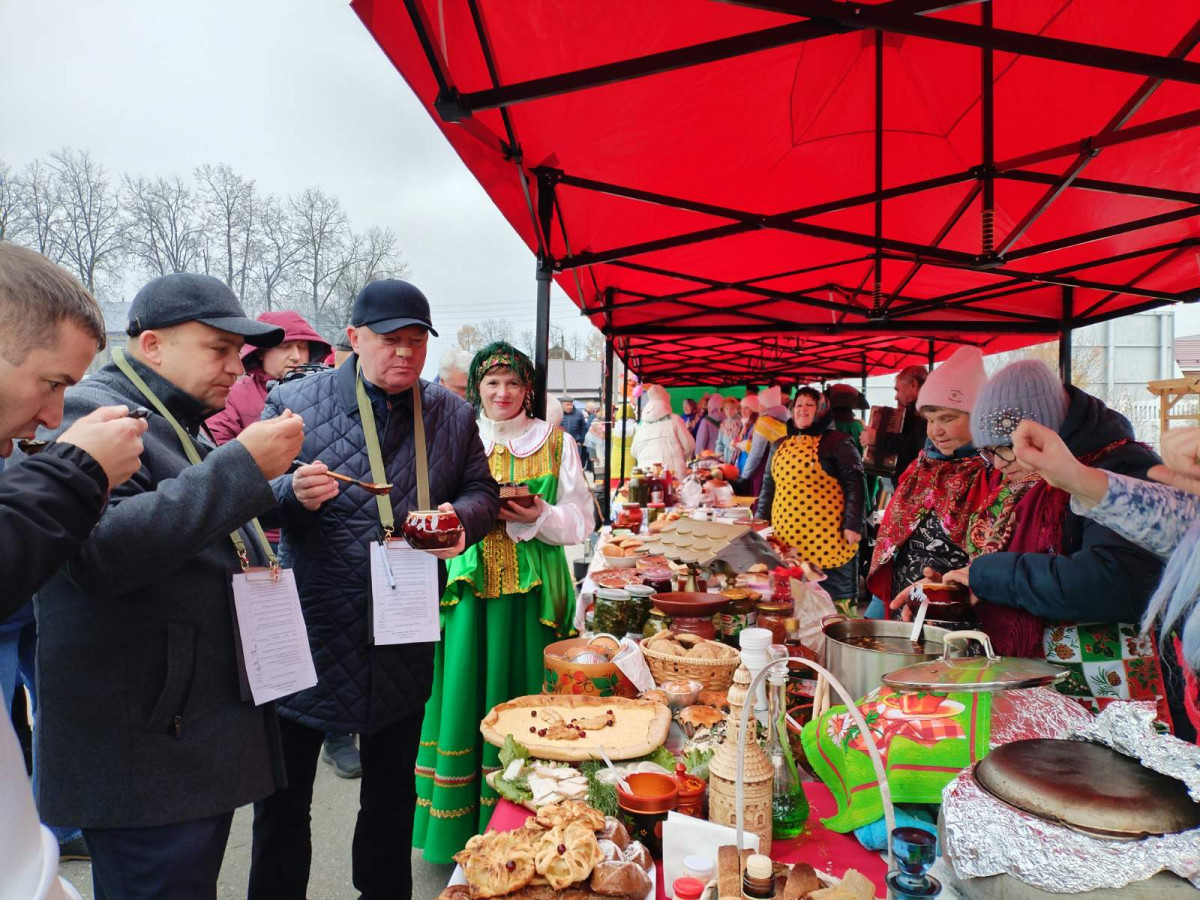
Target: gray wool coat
[(140, 718)]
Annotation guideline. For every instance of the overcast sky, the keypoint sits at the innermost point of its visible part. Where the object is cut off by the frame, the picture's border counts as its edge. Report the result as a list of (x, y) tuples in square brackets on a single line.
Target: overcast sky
[(289, 93)]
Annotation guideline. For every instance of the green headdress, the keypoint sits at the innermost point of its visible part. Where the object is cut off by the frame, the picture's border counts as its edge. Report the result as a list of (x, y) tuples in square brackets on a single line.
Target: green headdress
[(496, 355)]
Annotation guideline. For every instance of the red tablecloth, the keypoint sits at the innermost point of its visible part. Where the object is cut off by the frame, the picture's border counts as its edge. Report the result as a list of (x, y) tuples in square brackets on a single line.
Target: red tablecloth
[(820, 848)]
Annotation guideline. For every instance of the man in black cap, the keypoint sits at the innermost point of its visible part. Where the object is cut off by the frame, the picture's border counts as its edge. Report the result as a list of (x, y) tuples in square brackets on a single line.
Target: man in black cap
[(143, 738), (364, 686)]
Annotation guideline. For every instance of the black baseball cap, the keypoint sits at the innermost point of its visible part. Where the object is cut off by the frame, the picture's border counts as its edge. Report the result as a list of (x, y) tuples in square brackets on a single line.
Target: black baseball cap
[(389, 304), (185, 297)]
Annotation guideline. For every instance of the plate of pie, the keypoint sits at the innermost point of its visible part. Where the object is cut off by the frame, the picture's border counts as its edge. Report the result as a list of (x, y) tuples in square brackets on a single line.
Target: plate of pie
[(569, 727)]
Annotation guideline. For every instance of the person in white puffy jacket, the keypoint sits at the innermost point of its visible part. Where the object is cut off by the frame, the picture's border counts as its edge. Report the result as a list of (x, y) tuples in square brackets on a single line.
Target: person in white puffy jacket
[(662, 437)]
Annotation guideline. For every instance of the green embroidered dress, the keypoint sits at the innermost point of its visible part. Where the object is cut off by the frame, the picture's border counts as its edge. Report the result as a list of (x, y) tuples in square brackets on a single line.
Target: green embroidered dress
[(506, 598)]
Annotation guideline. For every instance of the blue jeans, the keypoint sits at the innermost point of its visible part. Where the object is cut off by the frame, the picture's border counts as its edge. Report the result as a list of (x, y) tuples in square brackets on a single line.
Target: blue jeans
[(18, 657)]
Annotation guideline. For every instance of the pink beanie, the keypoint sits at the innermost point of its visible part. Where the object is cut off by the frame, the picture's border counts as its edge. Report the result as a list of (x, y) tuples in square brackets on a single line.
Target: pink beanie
[(955, 383)]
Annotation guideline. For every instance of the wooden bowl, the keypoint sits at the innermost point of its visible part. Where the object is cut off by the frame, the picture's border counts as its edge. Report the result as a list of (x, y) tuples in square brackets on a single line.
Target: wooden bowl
[(693, 604), (562, 676)]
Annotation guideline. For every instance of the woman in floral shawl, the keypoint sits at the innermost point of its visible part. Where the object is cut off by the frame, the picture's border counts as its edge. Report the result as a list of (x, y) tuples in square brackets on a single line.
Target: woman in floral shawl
[(506, 598), (923, 532)]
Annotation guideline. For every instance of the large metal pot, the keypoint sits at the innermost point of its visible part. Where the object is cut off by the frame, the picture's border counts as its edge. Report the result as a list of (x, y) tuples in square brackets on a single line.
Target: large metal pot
[(861, 669)]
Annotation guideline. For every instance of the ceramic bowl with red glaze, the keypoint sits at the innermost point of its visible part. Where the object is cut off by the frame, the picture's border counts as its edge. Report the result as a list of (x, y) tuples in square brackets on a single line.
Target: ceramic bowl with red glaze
[(432, 529)]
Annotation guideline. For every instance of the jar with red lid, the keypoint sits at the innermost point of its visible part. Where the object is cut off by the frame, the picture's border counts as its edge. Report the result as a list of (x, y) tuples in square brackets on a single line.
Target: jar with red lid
[(687, 888), (691, 792), (781, 582), (773, 615), (661, 579)]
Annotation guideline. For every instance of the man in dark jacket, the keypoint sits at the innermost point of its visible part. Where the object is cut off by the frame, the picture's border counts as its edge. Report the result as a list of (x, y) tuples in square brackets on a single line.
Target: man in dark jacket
[(910, 441), (50, 329), (575, 423), (376, 691), (143, 738)]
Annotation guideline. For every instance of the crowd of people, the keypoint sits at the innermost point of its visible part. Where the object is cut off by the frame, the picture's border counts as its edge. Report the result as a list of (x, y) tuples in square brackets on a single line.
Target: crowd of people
[(122, 533)]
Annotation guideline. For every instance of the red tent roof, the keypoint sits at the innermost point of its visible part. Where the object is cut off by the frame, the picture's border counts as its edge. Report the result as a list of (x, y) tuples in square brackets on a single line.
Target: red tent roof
[(806, 188)]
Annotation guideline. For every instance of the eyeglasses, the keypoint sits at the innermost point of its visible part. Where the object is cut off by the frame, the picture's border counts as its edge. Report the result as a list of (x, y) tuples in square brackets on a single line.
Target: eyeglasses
[(1004, 454)]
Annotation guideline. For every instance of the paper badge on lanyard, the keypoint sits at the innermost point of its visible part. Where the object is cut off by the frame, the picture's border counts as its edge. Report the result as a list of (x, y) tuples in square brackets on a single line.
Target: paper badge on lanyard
[(272, 636), (404, 594), (404, 582)]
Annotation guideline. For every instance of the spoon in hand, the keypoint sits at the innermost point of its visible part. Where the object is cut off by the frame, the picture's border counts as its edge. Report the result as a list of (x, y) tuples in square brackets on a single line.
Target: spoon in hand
[(371, 486)]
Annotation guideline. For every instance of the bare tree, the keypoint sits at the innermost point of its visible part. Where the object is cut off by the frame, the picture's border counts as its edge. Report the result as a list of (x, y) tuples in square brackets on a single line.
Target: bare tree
[(10, 214), (277, 255), (468, 338), (593, 346), (39, 210), (92, 232), (164, 229), (373, 255), (229, 202), (325, 250)]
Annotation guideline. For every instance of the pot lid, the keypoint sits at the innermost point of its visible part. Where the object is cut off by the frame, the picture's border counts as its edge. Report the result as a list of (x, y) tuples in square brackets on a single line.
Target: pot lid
[(974, 674)]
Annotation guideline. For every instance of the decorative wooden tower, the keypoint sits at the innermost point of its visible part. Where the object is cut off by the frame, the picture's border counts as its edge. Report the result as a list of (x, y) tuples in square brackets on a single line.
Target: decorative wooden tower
[(756, 775)]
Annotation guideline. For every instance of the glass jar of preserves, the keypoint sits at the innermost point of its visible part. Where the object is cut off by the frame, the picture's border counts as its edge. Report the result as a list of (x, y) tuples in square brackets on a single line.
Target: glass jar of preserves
[(654, 510), (629, 516), (639, 488), (773, 615), (657, 621), (611, 613), (640, 601), (661, 579), (740, 614)]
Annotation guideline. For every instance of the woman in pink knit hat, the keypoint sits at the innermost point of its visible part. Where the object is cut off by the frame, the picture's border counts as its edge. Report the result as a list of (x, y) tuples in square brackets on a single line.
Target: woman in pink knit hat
[(924, 527)]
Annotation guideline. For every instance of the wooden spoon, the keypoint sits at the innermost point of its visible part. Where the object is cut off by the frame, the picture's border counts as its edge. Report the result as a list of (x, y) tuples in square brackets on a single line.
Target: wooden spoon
[(372, 486)]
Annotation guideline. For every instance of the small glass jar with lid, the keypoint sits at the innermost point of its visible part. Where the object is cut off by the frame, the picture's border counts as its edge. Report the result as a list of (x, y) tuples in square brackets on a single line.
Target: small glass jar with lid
[(655, 622), (638, 610), (611, 612), (773, 615)]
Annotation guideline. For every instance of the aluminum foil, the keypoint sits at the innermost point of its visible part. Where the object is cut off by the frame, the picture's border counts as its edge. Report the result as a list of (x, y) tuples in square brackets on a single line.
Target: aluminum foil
[(1035, 713), (986, 837), (1129, 728)]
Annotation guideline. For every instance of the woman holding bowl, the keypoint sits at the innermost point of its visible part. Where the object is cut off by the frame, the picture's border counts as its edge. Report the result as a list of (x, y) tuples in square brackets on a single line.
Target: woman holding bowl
[(506, 598)]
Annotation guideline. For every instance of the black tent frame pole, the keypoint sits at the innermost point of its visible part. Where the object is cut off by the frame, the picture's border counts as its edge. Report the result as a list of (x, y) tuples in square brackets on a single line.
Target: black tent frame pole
[(1064, 336), (625, 416), (608, 411), (932, 353), (545, 274)]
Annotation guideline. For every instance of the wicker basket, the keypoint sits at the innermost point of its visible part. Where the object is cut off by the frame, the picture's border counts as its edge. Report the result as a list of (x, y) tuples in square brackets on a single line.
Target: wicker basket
[(714, 674)]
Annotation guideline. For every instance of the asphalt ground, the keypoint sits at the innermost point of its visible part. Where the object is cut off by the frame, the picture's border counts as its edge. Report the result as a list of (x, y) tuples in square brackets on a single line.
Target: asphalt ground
[(334, 810)]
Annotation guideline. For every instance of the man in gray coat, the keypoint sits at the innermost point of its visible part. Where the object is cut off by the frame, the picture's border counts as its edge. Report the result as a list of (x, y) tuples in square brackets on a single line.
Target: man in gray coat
[(373, 690), (143, 738)]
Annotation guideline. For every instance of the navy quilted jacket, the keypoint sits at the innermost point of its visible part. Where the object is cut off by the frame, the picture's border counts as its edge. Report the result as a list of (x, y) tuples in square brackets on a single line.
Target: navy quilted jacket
[(362, 688)]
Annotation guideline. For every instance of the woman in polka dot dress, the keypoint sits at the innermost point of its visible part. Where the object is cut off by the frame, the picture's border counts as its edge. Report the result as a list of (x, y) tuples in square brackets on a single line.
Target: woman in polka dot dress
[(812, 494)]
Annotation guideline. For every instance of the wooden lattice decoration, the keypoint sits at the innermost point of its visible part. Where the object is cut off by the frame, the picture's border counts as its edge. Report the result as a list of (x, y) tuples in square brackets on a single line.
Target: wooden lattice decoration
[(1170, 392)]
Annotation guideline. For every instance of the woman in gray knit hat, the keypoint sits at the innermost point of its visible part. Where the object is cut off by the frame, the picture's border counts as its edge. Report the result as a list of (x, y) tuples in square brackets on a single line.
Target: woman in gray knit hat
[(1046, 581)]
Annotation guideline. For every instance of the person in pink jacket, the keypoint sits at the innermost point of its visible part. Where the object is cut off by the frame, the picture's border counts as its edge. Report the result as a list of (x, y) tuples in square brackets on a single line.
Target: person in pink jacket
[(301, 344)]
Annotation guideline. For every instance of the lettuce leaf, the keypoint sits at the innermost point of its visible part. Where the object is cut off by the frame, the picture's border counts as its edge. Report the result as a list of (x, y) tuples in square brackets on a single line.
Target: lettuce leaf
[(512, 750), (662, 757), (517, 791)]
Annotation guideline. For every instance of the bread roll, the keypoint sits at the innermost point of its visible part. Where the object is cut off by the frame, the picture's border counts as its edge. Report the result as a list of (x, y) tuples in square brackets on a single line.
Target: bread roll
[(620, 879)]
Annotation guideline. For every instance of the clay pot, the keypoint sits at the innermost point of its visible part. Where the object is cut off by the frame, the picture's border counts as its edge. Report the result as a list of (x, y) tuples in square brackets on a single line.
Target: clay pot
[(432, 529)]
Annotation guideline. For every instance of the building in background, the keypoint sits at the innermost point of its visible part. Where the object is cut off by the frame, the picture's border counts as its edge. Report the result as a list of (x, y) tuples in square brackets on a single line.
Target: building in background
[(116, 320), (1113, 360), (582, 379), (1187, 354)]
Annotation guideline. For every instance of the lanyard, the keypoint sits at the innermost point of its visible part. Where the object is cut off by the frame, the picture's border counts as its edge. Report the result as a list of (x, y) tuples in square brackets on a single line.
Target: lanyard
[(371, 436), (189, 448)]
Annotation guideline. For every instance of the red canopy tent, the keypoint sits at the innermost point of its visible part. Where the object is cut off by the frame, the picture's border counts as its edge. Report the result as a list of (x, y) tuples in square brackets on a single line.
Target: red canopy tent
[(807, 189)]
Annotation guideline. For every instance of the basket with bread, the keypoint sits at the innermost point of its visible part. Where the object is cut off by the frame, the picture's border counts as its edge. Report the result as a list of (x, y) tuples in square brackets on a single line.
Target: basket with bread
[(675, 656), (568, 851)]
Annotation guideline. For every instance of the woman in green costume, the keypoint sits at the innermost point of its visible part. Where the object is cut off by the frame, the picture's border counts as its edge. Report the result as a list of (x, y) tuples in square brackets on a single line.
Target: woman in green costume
[(506, 598)]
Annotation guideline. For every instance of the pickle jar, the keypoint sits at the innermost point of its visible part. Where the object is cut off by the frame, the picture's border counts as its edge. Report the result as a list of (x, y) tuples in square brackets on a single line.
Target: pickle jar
[(657, 621), (630, 516), (740, 614), (639, 488), (638, 608), (654, 510), (611, 612)]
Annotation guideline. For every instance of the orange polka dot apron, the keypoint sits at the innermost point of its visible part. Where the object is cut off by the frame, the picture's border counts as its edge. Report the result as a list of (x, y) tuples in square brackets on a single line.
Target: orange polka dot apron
[(806, 512)]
